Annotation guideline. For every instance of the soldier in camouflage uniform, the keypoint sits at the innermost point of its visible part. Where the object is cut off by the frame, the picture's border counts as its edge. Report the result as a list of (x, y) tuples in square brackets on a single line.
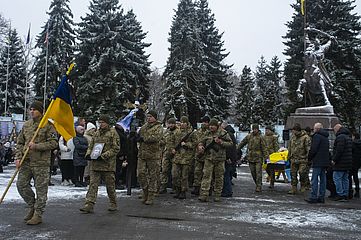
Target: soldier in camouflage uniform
[(215, 158), (169, 143), (104, 166), (149, 153), (272, 146), (36, 164), (199, 159), (257, 153), (298, 149), (183, 153)]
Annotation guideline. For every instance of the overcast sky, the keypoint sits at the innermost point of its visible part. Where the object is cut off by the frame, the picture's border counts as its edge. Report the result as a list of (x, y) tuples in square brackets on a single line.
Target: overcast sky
[(251, 27)]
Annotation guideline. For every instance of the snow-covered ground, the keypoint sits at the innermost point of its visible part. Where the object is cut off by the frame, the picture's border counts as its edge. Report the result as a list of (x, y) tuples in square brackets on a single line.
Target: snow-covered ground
[(55, 192)]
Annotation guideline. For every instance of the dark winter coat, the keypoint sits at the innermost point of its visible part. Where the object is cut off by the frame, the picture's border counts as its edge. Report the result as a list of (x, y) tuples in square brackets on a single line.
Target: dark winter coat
[(231, 152), (356, 154), (342, 151), (319, 152), (81, 146)]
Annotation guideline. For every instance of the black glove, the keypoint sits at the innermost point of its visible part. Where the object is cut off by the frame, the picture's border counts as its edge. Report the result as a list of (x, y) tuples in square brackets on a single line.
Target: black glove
[(87, 157), (99, 158)]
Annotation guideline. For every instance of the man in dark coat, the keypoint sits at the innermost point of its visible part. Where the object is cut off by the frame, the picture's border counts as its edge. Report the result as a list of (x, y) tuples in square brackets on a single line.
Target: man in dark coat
[(318, 157), (356, 164), (341, 161)]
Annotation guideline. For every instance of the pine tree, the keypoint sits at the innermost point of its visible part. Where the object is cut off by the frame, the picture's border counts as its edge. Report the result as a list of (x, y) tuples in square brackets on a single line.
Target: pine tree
[(275, 90), (113, 67), (184, 74), (56, 41), (12, 74), (245, 98), (342, 60), (218, 85)]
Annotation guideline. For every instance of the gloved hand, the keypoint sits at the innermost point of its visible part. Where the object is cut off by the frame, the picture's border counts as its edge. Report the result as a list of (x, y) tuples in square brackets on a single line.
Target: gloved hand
[(99, 158)]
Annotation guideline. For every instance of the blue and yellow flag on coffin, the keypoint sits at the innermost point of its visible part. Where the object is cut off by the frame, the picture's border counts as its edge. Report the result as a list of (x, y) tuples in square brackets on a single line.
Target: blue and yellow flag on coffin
[(59, 111)]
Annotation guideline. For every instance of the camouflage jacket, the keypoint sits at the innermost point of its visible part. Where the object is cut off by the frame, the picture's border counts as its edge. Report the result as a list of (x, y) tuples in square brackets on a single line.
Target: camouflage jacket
[(46, 141), (256, 147), (185, 153), (168, 142), (199, 135), (271, 143), (299, 147), (151, 135), (218, 153), (110, 138)]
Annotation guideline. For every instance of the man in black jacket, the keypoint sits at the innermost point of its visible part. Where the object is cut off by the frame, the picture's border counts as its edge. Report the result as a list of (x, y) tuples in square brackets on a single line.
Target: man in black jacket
[(341, 161), (318, 156), (356, 163)]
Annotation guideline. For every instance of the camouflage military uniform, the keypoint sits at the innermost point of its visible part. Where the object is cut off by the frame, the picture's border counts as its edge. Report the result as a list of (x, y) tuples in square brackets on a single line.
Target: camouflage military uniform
[(105, 166), (272, 146), (182, 159), (256, 154), (148, 158), (169, 143), (199, 161), (36, 164), (298, 149), (214, 161)]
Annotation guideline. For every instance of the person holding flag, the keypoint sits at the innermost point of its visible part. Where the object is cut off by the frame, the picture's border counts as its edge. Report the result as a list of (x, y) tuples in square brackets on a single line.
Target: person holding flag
[(34, 145), (36, 164)]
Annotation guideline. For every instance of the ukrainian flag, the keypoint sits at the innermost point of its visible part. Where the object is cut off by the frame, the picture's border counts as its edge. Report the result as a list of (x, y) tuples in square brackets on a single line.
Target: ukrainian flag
[(59, 111)]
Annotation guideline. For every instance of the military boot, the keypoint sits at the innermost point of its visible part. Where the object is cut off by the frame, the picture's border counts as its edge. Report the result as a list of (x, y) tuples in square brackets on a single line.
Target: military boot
[(144, 196), (163, 190), (217, 198), (203, 198), (195, 191), (35, 220), (303, 189), (357, 194), (182, 195), (150, 198), (29, 215), (112, 207), (177, 193), (88, 208), (258, 189), (293, 190)]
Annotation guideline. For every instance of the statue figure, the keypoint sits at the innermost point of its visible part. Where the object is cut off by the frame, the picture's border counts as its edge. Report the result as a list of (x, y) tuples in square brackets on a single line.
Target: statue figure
[(316, 84)]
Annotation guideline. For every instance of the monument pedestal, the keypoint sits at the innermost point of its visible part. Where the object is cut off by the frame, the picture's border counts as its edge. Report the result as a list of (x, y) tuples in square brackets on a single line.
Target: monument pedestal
[(308, 116)]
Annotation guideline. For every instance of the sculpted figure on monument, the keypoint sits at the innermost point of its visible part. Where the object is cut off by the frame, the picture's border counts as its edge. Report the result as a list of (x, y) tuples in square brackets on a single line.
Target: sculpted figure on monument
[(316, 85)]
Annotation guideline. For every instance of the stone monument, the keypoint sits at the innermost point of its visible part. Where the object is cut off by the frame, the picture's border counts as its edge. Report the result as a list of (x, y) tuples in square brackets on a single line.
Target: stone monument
[(315, 87)]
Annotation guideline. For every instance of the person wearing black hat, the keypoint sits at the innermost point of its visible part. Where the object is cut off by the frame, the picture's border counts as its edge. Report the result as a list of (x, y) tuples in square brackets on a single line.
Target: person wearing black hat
[(199, 159), (102, 151), (257, 153), (149, 157), (36, 164)]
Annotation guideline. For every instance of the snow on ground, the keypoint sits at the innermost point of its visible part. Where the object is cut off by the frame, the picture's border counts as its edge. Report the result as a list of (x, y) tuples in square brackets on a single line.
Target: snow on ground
[(55, 192)]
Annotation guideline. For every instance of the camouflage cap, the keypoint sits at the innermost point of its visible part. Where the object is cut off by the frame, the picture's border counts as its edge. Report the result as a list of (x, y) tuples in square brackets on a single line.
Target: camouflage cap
[(171, 121), (184, 119), (255, 126), (104, 118), (213, 122)]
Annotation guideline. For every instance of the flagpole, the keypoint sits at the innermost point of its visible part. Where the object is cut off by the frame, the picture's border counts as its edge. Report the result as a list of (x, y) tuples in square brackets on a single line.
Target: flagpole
[(46, 64), (7, 73), (28, 45), (304, 25)]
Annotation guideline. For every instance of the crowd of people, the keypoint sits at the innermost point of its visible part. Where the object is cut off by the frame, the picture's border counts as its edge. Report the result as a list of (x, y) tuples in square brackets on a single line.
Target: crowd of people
[(178, 159)]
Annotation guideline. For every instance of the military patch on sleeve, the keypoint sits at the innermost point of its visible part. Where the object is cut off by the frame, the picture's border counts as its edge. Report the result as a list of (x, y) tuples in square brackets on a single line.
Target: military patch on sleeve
[(53, 135)]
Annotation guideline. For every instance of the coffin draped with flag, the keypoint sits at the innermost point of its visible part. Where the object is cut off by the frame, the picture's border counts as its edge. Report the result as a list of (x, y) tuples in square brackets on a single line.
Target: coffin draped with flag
[(59, 111)]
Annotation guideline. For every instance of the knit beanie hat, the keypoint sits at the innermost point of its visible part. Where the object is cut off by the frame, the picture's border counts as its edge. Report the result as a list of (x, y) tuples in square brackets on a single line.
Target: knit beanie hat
[(213, 122), (37, 105), (153, 114), (171, 121), (184, 119), (104, 118), (255, 126)]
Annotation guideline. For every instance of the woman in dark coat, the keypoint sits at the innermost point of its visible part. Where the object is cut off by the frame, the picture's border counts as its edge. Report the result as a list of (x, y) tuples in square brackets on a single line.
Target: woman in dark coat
[(81, 146)]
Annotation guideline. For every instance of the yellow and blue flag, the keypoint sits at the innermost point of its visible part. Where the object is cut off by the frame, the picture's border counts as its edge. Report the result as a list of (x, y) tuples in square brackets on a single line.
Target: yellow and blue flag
[(59, 111)]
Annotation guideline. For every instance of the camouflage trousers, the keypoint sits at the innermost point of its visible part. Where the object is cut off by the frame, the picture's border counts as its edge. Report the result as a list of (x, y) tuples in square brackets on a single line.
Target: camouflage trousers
[(95, 177), (180, 177), (210, 168), (41, 183), (148, 174), (302, 169), (166, 169), (198, 173), (256, 172)]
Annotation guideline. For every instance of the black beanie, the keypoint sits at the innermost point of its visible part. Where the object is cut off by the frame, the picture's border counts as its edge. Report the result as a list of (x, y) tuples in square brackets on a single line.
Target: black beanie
[(37, 105)]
